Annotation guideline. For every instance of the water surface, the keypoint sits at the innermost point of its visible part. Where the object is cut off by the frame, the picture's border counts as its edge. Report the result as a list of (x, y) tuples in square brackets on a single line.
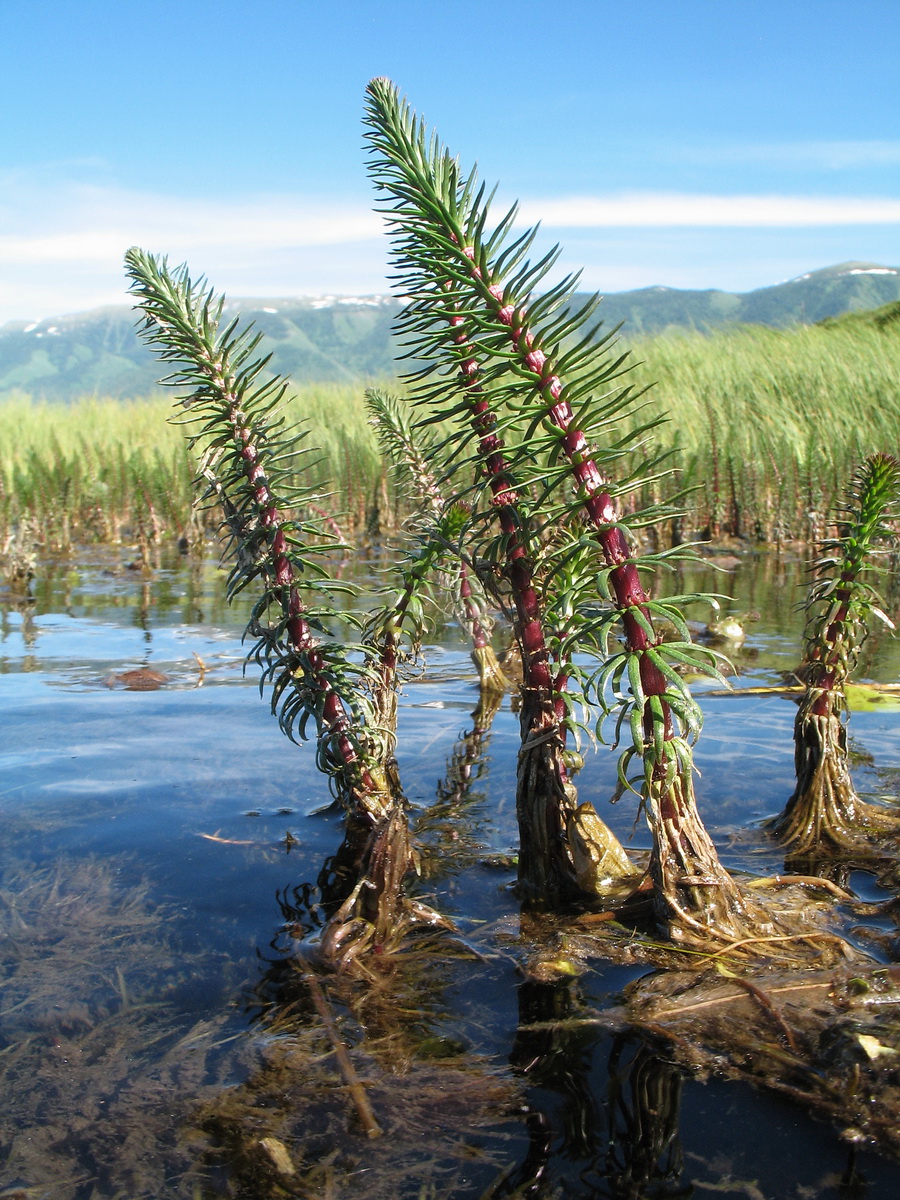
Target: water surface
[(154, 845)]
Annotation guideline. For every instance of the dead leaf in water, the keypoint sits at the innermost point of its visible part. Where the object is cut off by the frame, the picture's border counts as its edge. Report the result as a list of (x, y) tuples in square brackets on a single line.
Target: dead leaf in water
[(141, 679)]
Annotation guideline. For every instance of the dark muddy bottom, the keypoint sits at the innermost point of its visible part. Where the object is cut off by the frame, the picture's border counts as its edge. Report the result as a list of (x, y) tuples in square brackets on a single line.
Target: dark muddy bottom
[(157, 1038)]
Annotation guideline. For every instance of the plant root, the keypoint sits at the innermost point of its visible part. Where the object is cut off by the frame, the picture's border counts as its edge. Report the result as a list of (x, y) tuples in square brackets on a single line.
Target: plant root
[(697, 904), (376, 914), (825, 815), (811, 881)]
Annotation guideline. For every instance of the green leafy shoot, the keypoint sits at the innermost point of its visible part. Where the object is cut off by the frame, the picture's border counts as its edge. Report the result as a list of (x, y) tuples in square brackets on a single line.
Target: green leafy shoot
[(842, 598), (249, 460)]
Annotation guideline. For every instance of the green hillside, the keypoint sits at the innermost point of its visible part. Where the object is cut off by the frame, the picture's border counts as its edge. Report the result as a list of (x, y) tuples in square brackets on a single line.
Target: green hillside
[(886, 317), (816, 296), (348, 339)]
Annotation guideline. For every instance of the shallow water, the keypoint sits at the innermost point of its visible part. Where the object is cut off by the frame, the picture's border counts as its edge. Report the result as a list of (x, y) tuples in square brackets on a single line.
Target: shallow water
[(180, 819)]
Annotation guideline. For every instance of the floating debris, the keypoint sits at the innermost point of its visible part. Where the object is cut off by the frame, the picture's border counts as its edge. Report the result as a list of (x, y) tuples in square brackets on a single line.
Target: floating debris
[(141, 679)]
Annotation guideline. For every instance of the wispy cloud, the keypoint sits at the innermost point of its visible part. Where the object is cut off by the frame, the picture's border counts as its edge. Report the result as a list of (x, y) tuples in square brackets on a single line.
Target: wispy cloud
[(62, 242), (62, 238), (94, 224), (661, 209)]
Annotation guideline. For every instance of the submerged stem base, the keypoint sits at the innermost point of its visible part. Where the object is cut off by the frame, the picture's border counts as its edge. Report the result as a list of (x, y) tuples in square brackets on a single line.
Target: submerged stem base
[(696, 902), (365, 880), (825, 815), (566, 853)]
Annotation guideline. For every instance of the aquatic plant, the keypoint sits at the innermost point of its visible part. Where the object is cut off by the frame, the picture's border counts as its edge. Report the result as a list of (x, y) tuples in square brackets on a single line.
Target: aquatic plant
[(230, 405), (524, 417), (824, 812), (540, 419), (411, 455)]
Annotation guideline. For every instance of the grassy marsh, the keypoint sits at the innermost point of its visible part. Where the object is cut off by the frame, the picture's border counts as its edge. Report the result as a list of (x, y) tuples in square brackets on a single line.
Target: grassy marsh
[(100, 470), (768, 423)]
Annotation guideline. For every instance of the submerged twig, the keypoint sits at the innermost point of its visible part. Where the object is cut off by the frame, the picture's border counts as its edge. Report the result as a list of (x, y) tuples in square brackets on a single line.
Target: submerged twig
[(348, 1071)]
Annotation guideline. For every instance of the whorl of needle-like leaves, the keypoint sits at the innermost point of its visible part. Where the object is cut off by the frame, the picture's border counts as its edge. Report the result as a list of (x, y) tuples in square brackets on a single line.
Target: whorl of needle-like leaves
[(841, 599), (411, 454), (555, 419), (453, 270), (249, 461), (415, 463)]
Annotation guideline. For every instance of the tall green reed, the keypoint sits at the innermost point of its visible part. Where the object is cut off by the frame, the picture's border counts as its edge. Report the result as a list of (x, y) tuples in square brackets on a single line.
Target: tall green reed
[(771, 422), (102, 470), (768, 422)]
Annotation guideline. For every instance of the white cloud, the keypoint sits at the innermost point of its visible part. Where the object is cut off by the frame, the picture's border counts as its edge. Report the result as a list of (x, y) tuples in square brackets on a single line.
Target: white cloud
[(95, 224), (661, 209), (62, 242), (62, 239)]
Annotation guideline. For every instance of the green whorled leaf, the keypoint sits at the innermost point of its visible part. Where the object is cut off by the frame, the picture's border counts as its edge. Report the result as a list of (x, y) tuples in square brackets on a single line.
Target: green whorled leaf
[(882, 616), (603, 630), (229, 391), (687, 711), (710, 599), (622, 765), (640, 618), (636, 721), (633, 670), (658, 725), (701, 660), (841, 599), (598, 682), (671, 613), (657, 657)]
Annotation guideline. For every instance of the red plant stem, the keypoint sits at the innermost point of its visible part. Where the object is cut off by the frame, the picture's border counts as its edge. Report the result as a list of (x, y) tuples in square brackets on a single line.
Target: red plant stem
[(535, 656), (388, 653), (334, 715), (598, 503), (825, 683)]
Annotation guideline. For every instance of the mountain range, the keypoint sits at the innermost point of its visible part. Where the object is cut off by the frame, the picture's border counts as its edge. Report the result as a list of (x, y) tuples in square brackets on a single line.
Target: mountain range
[(348, 338)]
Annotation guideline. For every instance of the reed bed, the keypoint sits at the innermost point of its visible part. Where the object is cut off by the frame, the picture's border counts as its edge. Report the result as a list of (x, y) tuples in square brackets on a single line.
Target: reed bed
[(102, 470), (771, 423), (768, 425)]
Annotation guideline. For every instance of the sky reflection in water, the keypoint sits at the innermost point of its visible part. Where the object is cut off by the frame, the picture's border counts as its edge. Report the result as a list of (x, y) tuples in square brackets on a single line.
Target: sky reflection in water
[(190, 791)]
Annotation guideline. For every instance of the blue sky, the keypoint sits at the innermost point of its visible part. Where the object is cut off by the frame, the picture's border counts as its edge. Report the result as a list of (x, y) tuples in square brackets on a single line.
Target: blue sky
[(693, 143)]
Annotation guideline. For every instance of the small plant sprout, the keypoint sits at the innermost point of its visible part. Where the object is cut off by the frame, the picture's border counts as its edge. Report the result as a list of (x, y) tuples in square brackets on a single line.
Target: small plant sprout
[(541, 418), (825, 814)]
